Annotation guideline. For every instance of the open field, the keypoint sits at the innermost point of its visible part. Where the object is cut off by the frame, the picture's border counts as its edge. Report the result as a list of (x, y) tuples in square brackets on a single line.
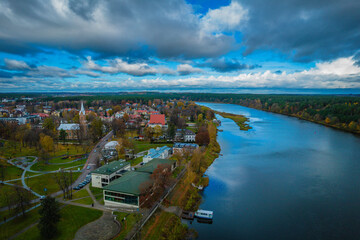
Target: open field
[(72, 218), (11, 172), (47, 181), (53, 167)]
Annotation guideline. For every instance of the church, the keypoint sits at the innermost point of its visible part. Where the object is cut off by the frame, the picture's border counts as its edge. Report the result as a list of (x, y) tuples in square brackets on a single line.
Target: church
[(74, 130)]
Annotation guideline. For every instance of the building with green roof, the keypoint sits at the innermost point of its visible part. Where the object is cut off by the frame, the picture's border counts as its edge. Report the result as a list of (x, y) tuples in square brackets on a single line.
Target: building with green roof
[(109, 172), (125, 191), (153, 164)]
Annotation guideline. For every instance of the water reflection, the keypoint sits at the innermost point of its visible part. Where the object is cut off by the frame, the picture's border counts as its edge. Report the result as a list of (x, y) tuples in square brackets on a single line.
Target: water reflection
[(284, 179)]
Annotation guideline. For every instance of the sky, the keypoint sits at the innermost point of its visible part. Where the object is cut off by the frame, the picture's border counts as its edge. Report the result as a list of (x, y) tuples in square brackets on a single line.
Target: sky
[(178, 45)]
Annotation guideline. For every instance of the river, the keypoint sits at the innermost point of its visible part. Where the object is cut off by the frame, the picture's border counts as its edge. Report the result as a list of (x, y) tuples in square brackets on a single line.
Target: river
[(284, 179)]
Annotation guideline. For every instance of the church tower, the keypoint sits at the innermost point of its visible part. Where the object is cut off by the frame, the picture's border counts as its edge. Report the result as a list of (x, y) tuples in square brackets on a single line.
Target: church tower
[(82, 117)]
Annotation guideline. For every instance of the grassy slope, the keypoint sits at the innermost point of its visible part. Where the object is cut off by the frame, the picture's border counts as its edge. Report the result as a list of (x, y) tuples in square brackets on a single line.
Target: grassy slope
[(127, 225), (72, 218)]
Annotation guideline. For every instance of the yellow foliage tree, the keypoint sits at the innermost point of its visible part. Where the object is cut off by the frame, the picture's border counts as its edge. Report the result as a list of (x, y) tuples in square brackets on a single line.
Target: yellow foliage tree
[(46, 142)]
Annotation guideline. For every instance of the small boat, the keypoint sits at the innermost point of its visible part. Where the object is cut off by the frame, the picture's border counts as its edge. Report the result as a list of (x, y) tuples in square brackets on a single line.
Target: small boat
[(187, 215), (204, 214)]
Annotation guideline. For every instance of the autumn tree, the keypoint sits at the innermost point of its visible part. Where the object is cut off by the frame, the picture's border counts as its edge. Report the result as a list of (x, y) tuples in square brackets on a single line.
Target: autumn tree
[(46, 142), (202, 137), (96, 129), (118, 126), (157, 131)]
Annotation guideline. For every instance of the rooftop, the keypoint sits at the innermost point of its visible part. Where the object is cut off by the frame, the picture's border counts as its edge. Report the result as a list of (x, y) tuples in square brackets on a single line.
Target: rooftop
[(185, 145), (110, 168), (69, 126), (130, 183), (153, 164), (157, 119)]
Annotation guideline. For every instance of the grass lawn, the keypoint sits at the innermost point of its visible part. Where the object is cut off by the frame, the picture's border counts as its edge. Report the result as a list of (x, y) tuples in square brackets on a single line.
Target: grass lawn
[(127, 225), (11, 172), (85, 201), (136, 161), (4, 190), (10, 228), (12, 213), (60, 159), (144, 145), (50, 167), (72, 218), (81, 193), (97, 192), (71, 149), (38, 184), (13, 149)]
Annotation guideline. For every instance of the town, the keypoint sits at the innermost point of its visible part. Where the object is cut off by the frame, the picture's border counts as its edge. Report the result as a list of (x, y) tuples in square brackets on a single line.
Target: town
[(122, 160)]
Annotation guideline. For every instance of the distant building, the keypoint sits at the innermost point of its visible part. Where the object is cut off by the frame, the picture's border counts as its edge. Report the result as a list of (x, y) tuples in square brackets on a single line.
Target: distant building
[(160, 152), (185, 135), (72, 128), (157, 120), (107, 173), (181, 147)]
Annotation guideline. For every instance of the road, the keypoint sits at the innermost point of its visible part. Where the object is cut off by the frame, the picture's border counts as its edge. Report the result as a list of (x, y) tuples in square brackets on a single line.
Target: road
[(91, 161)]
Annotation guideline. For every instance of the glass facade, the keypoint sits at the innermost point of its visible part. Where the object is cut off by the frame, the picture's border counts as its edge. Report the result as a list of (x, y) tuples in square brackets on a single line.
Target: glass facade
[(121, 198)]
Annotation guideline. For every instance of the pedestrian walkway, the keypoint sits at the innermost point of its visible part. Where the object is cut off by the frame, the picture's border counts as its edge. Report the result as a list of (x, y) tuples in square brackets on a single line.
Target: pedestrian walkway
[(104, 228)]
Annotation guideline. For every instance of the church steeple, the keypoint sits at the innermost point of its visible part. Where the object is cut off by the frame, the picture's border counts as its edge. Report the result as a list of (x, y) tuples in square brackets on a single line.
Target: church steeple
[(82, 115), (82, 110)]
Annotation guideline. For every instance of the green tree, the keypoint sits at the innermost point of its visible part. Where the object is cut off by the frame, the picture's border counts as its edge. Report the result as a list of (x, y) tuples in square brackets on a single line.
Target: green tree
[(62, 135), (50, 216), (49, 124)]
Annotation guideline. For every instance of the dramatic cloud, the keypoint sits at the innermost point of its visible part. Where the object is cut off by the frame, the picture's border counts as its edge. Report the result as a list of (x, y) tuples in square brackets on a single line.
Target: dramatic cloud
[(227, 18), (340, 73), (186, 69), (12, 64), (120, 66), (140, 27), (227, 65), (304, 29)]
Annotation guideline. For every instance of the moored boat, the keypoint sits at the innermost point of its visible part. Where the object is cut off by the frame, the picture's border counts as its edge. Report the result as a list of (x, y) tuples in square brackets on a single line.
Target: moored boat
[(204, 214)]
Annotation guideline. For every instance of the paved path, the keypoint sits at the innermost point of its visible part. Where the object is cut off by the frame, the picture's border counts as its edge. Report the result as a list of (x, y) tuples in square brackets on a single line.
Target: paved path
[(104, 228), (91, 161)]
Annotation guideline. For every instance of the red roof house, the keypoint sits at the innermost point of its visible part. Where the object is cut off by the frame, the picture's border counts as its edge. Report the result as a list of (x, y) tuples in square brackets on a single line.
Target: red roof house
[(157, 119)]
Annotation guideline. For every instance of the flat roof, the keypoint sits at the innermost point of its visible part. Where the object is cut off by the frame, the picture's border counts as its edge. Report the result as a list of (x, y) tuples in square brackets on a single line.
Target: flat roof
[(110, 168), (129, 183), (153, 164)]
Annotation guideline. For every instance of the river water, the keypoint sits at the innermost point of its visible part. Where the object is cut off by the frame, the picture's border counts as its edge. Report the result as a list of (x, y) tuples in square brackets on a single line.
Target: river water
[(284, 179)]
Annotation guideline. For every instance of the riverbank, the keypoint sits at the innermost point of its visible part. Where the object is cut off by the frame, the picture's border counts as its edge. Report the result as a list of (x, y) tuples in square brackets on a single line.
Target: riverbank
[(185, 195)]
